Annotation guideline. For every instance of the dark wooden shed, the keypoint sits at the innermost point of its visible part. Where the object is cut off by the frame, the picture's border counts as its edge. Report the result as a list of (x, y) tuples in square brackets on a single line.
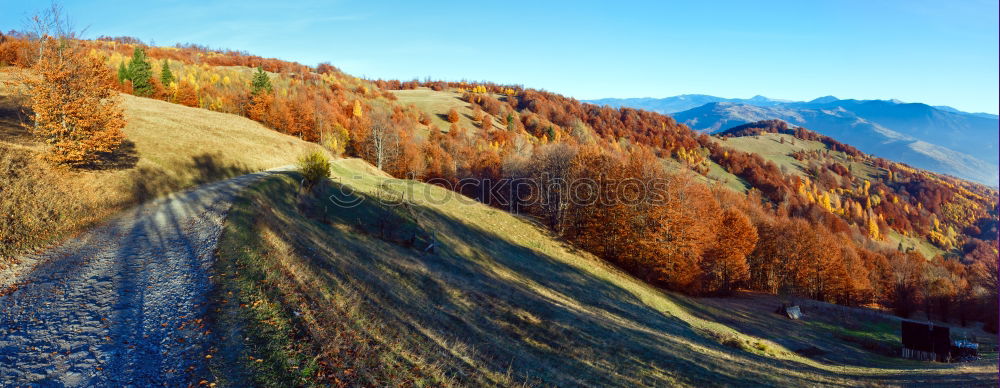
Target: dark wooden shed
[(927, 342)]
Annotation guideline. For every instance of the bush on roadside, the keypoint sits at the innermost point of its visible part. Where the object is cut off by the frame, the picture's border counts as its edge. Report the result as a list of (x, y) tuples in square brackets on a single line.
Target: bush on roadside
[(314, 167)]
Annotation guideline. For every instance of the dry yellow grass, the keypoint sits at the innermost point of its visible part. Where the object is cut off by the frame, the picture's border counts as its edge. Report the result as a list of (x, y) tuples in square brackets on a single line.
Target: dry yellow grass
[(437, 104), (170, 147)]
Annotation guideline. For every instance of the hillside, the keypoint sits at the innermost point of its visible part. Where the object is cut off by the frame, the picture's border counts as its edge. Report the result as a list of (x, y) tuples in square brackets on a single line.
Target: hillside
[(170, 147), (814, 218), (437, 104), (780, 148), (500, 302)]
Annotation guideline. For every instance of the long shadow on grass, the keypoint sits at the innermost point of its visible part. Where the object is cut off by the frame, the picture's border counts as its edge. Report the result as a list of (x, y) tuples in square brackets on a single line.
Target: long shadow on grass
[(514, 306)]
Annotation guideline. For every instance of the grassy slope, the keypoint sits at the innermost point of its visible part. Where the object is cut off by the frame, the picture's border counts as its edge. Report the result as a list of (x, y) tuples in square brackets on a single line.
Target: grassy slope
[(500, 301), (770, 147), (437, 104), (171, 147)]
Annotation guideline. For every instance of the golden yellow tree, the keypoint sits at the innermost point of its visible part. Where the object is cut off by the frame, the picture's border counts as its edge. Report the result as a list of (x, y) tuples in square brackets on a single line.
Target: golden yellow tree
[(873, 231), (74, 106), (357, 112)]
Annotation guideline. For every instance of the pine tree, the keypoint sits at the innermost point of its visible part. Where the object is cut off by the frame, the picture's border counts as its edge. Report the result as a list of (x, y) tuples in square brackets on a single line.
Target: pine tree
[(260, 82), (140, 72), (122, 72), (166, 77)]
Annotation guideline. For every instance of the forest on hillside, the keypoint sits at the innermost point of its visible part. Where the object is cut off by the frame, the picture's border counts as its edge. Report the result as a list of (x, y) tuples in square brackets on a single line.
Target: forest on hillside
[(818, 235)]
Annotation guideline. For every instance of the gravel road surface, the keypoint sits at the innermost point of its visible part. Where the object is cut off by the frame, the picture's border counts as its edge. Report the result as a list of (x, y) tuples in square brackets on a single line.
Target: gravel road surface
[(122, 304)]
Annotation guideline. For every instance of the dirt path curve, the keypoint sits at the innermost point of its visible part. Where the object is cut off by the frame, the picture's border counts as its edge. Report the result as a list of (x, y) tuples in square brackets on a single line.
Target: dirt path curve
[(120, 305)]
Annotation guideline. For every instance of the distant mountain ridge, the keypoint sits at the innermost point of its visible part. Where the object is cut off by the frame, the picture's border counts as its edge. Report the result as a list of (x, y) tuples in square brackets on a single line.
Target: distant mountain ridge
[(956, 143), (680, 103), (685, 102)]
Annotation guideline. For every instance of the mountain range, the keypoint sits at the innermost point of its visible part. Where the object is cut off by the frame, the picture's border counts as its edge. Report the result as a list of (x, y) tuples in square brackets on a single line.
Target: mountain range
[(937, 138)]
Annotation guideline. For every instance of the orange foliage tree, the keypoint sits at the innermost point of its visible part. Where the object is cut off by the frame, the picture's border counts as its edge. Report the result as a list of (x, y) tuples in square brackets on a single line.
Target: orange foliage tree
[(74, 104), (725, 265), (186, 95)]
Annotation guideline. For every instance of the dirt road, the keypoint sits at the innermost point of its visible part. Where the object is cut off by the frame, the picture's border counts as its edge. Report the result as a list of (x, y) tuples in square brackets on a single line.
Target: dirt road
[(121, 304)]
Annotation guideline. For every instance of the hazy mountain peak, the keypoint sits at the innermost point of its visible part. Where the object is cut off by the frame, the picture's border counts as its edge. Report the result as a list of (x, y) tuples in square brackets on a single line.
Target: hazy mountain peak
[(824, 99)]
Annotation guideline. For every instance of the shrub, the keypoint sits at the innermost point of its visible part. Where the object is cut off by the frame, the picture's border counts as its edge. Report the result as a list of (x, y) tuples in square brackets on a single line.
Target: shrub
[(314, 167)]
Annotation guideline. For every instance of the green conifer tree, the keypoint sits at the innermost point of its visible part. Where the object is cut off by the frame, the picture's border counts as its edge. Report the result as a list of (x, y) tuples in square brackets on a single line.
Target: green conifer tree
[(122, 72), (140, 72), (166, 76), (260, 82)]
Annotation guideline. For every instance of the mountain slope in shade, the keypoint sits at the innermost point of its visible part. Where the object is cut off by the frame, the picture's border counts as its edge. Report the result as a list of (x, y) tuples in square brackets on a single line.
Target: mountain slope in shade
[(963, 132), (680, 103), (848, 127), (953, 110)]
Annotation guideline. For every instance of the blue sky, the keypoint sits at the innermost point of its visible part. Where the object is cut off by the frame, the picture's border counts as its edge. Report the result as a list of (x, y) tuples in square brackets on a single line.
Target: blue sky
[(937, 52)]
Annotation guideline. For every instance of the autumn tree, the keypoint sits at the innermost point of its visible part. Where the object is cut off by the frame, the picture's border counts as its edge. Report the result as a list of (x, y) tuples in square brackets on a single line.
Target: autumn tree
[(335, 139), (906, 274), (725, 264), (74, 107), (551, 176), (485, 121), (357, 111), (453, 116), (768, 267), (186, 95), (382, 143), (14, 51), (258, 106), (325, 68), (140, 72), (677, 231)]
